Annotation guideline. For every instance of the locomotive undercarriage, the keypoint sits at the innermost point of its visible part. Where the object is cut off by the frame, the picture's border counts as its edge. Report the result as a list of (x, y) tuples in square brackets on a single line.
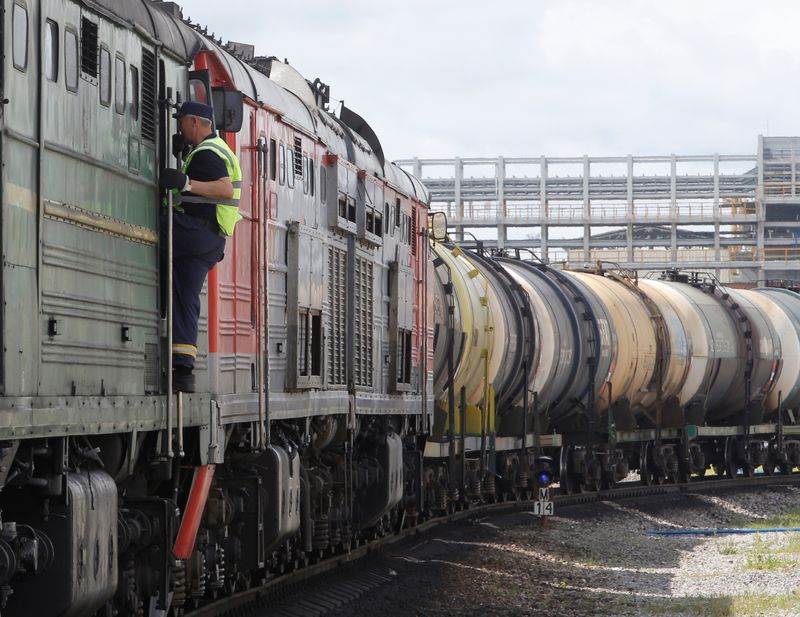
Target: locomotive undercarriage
[(98, 533), (100, 537)]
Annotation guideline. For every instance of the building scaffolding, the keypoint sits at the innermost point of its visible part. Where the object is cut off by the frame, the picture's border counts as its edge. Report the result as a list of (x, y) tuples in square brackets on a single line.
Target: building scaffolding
[(736, 215)]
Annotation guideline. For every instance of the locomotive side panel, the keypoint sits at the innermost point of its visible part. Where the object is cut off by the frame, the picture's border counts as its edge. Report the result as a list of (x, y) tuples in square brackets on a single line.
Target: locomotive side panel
[(20, 199), (99, 276)]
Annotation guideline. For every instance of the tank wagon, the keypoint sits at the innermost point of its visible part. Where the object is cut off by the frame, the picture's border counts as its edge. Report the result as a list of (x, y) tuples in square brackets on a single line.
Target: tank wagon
[(313, 372), (605, 373)]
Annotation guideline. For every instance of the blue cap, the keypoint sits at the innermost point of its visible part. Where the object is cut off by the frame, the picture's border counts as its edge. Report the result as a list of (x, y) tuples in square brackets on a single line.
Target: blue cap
[(194, 108)]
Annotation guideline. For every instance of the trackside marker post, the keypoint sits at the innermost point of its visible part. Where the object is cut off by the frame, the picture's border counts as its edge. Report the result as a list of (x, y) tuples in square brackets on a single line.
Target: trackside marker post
[(544, 506)]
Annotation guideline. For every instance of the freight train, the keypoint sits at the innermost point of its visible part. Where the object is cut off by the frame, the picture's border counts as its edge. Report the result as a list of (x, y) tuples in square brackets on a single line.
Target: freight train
[(357, 373)]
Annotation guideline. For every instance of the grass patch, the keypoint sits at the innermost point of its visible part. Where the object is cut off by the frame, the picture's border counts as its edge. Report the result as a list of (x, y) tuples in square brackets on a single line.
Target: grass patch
[(727, 606), (762, 557), (793, 545), (727, 548), (766, 562), (789, 519), (700, 607)]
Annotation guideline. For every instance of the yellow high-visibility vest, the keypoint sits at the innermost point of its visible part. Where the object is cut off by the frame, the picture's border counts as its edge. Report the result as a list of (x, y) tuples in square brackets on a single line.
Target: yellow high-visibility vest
[(227, 210)]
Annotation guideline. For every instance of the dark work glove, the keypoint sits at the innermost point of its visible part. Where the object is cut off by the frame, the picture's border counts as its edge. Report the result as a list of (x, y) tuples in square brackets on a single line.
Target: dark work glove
[(172, 179)]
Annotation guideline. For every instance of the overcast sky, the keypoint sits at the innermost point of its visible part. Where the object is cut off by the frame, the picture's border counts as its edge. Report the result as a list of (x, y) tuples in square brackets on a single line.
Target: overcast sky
[(526, 78)]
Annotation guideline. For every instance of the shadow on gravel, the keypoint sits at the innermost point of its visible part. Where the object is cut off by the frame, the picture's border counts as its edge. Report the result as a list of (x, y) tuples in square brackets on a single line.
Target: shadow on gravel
[(593, 560)]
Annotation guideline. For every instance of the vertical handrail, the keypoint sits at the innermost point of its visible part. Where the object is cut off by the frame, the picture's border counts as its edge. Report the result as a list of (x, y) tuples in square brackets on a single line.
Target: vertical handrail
[(170, 453), (179, 431), (169, 446), (263, 321)]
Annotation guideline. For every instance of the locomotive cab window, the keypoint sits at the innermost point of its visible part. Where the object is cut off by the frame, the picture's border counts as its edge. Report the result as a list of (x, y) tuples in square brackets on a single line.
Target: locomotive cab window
[(273, 163), (20, 35), (282, 156), (71, 59), (105, 77), (51, 50), (119, 85), (133, 93)]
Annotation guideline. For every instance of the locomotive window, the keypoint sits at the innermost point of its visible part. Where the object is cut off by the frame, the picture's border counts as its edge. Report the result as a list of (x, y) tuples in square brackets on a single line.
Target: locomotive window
[(20, 21), (403, 356), (282, 155), (119, 85), (133, 93), (51, 50), (105, 77), (323, 183), (273, 163), (387, 216), (397, 213), (197, 91), (305, 175), (311, 176), (370, 220), (71, 59)]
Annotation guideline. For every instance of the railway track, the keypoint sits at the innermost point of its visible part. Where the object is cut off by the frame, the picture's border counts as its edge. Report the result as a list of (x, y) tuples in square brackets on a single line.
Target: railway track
[(273, 595)]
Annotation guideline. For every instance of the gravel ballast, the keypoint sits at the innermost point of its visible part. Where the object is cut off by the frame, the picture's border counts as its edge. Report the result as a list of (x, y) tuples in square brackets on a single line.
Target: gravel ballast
[(597, 559)]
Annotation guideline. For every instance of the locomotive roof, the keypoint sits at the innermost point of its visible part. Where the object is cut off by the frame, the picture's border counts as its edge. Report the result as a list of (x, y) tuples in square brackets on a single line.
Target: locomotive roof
[(163, 22), (155, 19)]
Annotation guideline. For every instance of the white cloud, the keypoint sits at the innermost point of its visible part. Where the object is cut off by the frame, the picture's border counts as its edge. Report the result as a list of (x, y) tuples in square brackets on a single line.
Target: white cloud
[(528, 78)]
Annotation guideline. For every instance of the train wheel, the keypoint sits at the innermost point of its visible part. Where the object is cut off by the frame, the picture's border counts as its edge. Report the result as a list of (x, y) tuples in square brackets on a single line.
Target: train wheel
[(565, 479)]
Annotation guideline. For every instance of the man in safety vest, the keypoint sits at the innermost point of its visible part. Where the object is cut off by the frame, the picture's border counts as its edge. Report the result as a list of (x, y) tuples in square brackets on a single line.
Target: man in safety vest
[(205, 194)]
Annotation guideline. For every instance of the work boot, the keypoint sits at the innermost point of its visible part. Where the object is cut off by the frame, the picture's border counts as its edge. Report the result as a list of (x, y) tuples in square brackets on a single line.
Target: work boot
[(183, 378)]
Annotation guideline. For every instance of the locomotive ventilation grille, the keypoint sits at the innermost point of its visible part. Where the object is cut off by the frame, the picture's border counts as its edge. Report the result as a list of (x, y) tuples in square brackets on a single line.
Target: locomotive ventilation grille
[(89, 47), (148, 95), (363, 322), (337, 300)]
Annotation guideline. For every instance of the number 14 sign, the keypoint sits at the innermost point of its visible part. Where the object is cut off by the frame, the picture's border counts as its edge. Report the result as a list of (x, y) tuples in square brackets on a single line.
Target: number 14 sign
[(543, 507)]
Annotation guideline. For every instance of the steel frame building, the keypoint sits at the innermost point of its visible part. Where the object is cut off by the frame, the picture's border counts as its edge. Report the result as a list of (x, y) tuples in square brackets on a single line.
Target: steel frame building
[(736, 215)]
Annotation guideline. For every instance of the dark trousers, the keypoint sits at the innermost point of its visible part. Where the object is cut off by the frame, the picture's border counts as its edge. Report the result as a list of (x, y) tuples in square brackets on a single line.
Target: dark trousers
[(196, 248)]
